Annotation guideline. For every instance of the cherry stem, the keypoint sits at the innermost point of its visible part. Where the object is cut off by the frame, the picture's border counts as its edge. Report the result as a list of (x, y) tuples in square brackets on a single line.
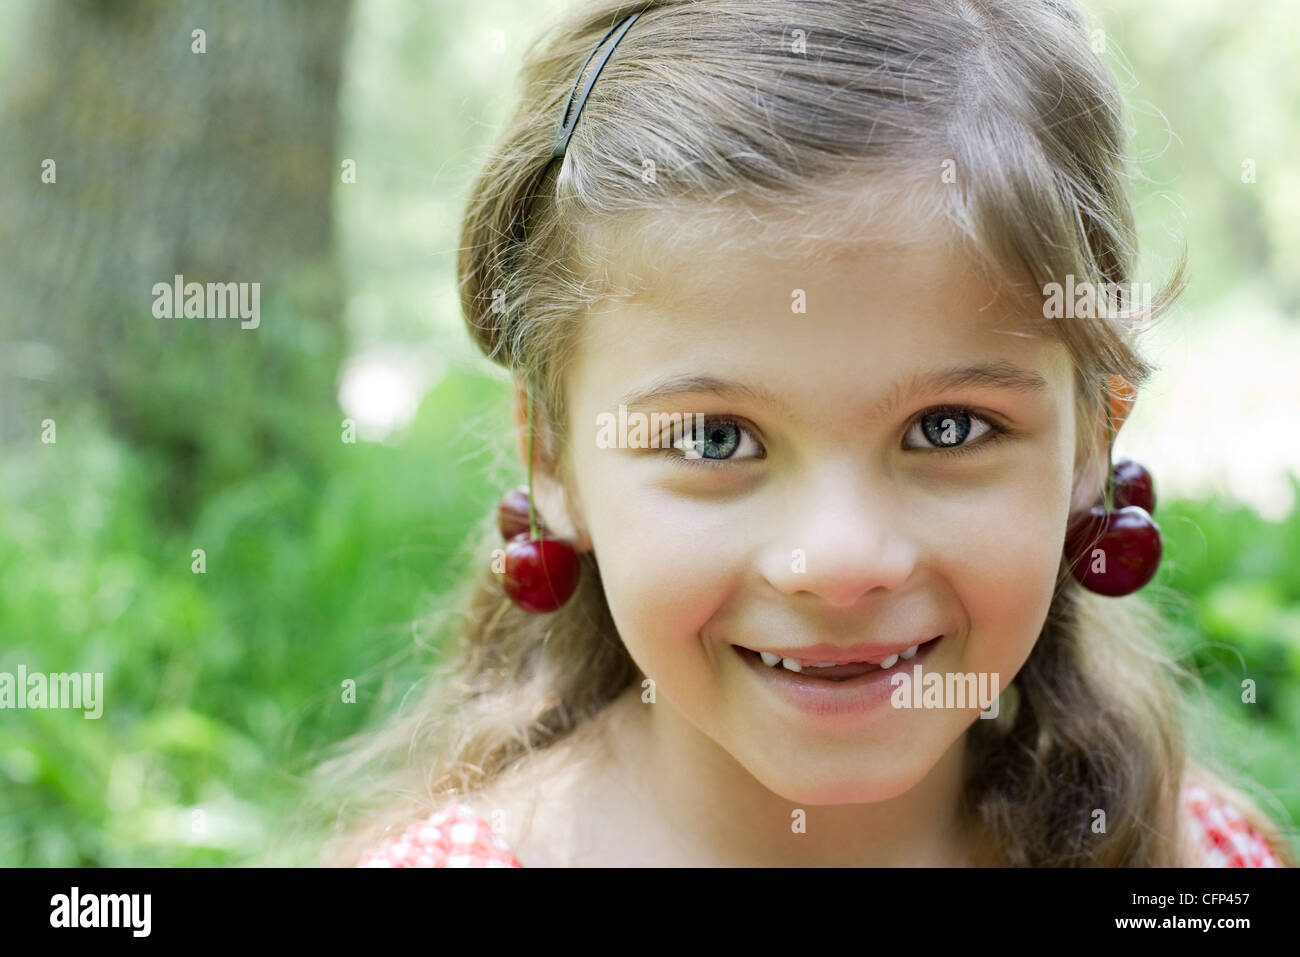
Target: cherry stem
[(532, 518), (1110, 453)]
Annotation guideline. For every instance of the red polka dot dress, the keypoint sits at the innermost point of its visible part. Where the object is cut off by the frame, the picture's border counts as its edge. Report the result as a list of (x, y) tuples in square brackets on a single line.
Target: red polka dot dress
[(455, 836), (1223, 836)]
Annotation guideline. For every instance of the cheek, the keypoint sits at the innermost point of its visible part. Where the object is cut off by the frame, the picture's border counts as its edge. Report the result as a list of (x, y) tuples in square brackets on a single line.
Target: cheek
[(1000, 552), (667, 566), (1004, 546)]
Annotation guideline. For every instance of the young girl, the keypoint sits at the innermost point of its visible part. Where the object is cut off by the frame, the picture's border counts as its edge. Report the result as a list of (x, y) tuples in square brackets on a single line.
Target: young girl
[(791, 386)]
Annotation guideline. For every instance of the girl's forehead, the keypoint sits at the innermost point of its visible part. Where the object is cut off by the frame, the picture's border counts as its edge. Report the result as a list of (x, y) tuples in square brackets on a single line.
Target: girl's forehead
[(824, 324), (696, 255), (702, 275)]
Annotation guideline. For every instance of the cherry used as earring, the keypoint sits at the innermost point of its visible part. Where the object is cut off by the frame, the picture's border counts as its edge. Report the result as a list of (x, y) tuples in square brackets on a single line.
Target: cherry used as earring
[(1133, 486), (1116, 552), (540, 573), (512, 513)]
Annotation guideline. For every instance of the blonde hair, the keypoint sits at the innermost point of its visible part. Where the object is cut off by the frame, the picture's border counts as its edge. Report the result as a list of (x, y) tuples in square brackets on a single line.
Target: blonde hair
[(736, 121)]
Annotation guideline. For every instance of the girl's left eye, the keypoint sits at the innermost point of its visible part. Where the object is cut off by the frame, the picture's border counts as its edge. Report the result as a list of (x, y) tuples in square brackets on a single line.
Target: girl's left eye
[(949, 428)]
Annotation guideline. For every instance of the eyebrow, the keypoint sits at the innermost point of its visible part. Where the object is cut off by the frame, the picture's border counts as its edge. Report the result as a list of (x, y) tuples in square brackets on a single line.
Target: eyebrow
[(990, 375)]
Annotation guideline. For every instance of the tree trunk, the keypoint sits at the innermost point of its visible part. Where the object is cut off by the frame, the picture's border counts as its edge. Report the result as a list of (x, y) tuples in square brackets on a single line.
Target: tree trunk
[(218, 166)]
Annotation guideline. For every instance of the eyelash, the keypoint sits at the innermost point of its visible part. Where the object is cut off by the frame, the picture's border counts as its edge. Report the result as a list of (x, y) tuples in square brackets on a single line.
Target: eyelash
[(996, 433)]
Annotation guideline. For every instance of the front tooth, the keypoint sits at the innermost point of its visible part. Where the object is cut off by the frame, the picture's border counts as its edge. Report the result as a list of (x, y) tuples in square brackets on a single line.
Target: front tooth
[(791, 664), (770, 659), (910, 652), (889, 662)]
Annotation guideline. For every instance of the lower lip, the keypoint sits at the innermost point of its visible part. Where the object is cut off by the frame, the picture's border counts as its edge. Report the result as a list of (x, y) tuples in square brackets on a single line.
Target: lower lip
[(826, 698)]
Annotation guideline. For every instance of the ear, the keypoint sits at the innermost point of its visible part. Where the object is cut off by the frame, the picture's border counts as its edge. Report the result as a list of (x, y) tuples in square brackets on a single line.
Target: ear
[(1121, 397), (552, 502)]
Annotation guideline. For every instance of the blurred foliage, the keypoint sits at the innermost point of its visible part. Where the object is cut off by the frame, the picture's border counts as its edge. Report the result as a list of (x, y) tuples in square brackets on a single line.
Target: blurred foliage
[(216, 684), (1237, 618), (320, 554), (1208, 90)]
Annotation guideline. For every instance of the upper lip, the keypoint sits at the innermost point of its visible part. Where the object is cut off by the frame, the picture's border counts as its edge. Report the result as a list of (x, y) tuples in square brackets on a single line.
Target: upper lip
[(843, 654)]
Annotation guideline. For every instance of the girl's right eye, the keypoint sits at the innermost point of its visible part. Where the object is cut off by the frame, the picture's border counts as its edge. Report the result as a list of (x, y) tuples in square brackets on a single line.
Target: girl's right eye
[(722, 439)]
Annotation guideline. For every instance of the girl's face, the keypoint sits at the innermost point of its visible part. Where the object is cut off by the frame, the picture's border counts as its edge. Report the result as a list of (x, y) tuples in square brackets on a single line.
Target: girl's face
[(822, 507)]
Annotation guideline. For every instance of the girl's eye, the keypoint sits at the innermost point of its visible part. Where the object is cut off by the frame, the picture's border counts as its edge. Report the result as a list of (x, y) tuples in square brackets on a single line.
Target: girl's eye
[(719, 440), (947, 429)]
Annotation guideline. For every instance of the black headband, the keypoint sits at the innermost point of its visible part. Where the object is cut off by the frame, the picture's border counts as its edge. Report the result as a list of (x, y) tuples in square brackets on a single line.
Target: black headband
[(567, 123)]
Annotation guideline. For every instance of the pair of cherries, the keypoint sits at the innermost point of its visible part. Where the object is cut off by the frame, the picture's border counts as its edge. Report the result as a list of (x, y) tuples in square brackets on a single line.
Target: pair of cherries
[(540, 573), (1115, 551)]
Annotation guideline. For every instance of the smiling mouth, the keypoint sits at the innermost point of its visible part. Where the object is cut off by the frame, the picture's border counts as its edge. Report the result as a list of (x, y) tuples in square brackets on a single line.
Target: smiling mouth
[(833, 672)]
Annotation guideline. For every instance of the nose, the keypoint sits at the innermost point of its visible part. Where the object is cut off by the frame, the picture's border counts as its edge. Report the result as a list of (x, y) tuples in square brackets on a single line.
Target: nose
[(844, 538)]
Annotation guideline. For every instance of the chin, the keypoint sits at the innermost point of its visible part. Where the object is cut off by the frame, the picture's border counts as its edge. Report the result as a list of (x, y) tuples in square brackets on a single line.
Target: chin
[(816, 786)]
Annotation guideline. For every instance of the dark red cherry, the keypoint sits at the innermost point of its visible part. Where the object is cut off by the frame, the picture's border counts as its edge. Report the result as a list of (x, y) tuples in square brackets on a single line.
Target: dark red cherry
[(540, 575), (1133, 486), (512, 513), (1083, 530), (1114, 554)]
